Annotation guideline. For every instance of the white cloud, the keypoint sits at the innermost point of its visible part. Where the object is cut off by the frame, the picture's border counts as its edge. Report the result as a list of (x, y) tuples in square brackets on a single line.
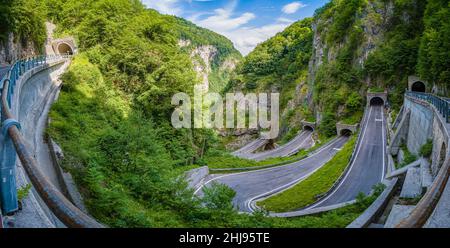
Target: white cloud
[(285, 20), (225, 21), (235, 26), (293, 7), (169, 7), (247, 38)]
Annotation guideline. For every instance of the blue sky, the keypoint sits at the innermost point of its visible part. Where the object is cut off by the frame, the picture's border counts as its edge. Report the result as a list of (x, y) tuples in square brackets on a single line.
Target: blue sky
[(245, 22)]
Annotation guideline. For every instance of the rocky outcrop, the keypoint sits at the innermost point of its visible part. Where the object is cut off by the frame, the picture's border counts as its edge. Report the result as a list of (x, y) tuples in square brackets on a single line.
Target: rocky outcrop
[(202, 58), (206, 61), (372, 21), (14, 48)]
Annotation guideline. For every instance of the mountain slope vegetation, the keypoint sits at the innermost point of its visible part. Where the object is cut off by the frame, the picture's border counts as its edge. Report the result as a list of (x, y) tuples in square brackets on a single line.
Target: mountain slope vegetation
[(112, 119), (351, 47)]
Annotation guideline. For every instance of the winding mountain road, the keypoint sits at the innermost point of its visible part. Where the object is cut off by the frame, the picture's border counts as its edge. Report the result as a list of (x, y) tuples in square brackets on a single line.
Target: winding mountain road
[(366, 170), (369, 166), (302, 141), (250, 147), (255, 184)]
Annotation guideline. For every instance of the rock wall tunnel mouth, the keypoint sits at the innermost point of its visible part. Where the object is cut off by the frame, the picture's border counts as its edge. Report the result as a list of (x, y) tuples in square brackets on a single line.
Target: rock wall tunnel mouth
[(308, 128), (64, 48), (376, 101), (418, 87), (346, 132)]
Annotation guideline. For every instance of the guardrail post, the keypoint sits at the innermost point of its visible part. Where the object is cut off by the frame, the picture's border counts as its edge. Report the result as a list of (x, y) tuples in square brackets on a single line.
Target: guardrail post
[(8, 189)]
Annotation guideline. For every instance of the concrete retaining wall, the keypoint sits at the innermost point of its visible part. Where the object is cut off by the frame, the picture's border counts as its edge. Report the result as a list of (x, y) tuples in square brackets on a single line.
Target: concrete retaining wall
[(401, 134), (426, 123), (420, 126), (440, 146)]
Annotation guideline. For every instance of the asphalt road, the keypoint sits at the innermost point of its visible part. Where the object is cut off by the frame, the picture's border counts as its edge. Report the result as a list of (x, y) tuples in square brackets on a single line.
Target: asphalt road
[(302, 141), (250, 147), (369, 165), (256, 184)]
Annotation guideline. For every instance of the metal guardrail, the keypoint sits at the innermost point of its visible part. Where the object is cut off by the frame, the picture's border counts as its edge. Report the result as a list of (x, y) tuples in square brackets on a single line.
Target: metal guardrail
[(61, 207), (442, 104)]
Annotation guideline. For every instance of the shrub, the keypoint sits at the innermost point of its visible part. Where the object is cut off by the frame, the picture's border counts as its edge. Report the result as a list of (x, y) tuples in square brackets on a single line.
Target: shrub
[(426, 149)]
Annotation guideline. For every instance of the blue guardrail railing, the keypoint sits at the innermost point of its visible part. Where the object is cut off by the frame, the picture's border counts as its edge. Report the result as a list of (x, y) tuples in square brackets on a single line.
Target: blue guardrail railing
[(442, 104), (8, 189)]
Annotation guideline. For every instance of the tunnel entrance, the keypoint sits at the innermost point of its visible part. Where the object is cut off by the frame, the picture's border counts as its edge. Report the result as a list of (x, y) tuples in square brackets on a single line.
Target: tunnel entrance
[(64, 48), (346, 132), (308, 128), (376, 101), (418, 87)]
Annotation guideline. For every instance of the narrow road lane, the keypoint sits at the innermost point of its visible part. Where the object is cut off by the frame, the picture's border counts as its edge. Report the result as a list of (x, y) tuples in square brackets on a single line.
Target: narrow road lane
[(250, 147), (369, 166), (255, 184), (302, 141)]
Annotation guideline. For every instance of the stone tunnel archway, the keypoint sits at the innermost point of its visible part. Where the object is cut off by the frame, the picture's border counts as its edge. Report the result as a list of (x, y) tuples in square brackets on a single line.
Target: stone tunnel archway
[(64, 48), (346, 132), (308, 128), (376, 101), (418, 86)]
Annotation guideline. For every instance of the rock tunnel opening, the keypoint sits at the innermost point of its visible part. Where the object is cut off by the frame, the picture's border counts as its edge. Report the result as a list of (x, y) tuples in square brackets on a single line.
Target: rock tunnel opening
[(376, 101), (346, 132), (418, 87), (64, 48), (308, 128)]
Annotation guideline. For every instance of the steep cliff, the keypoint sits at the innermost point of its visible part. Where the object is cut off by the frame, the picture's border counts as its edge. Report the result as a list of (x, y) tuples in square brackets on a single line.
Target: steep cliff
[(354, 46), (213, 56), (213, 72), (22, 30), (11, 49)]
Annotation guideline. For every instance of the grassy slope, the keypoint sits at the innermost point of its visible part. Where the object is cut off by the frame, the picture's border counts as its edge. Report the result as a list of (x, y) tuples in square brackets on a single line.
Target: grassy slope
[(305, 192), (220, 160)]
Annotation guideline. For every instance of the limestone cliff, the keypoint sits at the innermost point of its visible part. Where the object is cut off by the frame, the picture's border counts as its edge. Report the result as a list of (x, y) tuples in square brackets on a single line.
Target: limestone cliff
[(213, 68), (12, 49)]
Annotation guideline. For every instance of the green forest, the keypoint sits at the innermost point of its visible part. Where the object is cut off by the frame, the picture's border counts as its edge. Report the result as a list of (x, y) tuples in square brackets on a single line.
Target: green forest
[(112, 119)]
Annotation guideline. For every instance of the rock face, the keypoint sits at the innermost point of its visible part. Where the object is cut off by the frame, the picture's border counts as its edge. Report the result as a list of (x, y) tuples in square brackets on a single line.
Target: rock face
[(13, 49), (207, 60), (373, 20), (202, 58)]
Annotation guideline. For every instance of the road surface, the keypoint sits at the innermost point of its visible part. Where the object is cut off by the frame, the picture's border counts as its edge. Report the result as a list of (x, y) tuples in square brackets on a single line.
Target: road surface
[(253, 185), (369, 165), (250, 147), (302, 141)]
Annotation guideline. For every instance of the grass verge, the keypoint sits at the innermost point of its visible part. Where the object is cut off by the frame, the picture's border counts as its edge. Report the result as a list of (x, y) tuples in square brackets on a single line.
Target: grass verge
[(307, 191), (223, 160)]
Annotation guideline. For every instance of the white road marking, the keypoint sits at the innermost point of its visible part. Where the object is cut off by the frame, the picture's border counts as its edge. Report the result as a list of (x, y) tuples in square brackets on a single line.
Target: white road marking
[(351, 166), (284, 187), (248, 172)]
